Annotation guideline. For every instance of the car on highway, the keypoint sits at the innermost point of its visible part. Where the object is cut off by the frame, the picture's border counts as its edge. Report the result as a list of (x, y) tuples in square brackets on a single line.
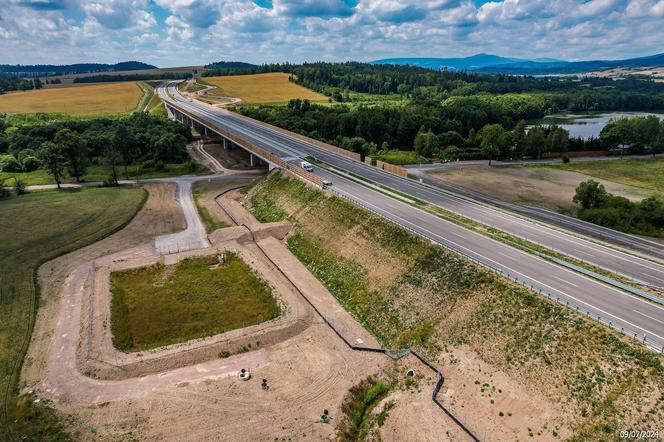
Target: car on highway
[(307, 166)]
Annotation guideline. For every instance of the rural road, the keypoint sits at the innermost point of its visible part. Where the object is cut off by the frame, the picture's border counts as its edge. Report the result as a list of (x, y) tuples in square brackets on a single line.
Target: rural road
[(637, 315)]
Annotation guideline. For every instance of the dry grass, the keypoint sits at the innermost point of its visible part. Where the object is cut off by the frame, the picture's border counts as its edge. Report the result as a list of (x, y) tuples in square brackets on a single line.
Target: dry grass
[(80, 100), (262, 88)]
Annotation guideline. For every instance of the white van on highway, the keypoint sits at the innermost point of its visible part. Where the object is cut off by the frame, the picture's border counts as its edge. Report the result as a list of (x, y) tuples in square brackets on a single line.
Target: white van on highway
[(307, 166)]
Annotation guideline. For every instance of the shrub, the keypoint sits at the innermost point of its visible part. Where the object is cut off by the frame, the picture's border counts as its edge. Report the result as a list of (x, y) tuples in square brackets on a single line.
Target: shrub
[(30, 163), (148, 165), (9, 163), (19, 187), (565, 159)]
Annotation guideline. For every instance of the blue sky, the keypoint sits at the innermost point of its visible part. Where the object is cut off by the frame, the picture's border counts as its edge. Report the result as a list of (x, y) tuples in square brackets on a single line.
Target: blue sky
[(189, 32)]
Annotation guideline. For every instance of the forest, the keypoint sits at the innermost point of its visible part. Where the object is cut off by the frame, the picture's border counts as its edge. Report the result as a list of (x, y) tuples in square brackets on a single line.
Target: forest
[(68, 147), (465, 128), (450, 115)]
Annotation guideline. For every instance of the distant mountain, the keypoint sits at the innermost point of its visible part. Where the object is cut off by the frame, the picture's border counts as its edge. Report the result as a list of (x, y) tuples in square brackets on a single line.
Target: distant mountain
[(39, 70), (229, 65), (471, 63), (501, 65)]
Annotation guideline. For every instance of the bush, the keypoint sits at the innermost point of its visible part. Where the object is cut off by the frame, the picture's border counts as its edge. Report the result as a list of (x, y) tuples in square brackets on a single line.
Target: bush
[(565, 159), (9, 163), (148, 165), (30, 163), (19, 187), (159, 166)]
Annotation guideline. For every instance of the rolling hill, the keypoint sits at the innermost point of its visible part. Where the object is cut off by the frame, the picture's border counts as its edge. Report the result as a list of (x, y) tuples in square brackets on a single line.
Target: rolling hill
[(502, 65)]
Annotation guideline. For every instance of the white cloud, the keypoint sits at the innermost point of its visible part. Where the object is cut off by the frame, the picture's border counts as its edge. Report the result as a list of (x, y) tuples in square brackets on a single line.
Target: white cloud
[(199, 31)]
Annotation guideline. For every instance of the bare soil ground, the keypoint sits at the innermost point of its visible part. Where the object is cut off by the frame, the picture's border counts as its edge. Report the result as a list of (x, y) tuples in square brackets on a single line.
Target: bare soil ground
[(548, 188), (306, 373), (230, 158)]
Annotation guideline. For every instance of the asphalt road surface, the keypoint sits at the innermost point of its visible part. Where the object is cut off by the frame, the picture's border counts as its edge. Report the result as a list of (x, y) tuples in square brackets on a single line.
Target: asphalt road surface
[(591, 297), (639, 244)]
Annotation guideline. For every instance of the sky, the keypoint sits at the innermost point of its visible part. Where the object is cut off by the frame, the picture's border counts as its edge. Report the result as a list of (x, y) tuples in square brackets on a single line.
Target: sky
[(193, 32)]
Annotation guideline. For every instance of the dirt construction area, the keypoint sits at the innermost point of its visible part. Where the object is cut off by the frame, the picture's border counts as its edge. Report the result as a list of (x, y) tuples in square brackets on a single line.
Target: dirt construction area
[(536, 186), (192, 391)]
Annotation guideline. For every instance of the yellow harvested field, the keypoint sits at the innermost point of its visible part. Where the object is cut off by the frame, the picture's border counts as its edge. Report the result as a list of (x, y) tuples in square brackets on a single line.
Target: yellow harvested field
[(262, 88), (95, 98)]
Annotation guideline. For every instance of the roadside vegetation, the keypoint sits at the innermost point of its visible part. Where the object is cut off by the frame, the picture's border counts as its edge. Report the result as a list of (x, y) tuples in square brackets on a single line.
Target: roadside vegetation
[(601, 207), (197, 297), (102, 98), (206, 191), (408, 292), (36, 228)]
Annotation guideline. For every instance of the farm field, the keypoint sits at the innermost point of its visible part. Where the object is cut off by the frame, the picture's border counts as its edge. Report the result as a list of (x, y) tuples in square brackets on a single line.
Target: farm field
[(550, 187), (36, 228), (506, 351), (262, 88), (198, 297), (96, 98), (646, 173)]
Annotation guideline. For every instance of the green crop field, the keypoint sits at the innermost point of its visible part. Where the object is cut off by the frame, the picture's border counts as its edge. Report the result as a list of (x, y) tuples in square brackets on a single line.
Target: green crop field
[(162, 305), (34, 229)]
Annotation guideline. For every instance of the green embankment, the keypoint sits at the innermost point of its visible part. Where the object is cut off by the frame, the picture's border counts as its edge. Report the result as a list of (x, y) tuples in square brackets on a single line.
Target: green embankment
[(34, 229), (407, 291)]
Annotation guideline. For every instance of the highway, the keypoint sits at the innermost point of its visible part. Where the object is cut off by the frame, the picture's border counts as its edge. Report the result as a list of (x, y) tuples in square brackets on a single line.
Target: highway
[(612, 305), (636, 243), (628, 265)]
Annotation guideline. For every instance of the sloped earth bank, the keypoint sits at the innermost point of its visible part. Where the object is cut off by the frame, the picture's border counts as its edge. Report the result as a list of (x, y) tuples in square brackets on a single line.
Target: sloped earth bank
[(516, 365), (306, 373)]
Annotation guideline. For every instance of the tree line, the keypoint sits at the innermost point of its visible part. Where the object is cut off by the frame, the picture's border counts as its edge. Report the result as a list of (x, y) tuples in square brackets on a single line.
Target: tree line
[(9, 83), (68, 147), (465, 128), (103, 78)]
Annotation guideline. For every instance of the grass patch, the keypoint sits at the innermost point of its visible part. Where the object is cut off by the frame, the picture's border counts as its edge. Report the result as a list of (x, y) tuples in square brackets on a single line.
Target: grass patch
[(96, 98), (646, 173), (211, 223), (399, 157), (261, 88), (100, 173), (161, 305), (34, 229), (405, 290), (357, 406)]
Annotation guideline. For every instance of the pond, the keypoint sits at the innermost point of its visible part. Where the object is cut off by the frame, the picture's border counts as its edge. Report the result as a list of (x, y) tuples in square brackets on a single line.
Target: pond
[(587, 125)]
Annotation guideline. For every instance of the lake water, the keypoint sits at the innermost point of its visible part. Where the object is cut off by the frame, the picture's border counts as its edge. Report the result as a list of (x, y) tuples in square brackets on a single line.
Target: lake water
[(590, 124)]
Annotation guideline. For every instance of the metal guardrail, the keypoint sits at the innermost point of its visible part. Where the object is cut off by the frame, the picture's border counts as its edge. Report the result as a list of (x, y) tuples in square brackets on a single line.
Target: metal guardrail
[(605, 279), (616, 325)]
